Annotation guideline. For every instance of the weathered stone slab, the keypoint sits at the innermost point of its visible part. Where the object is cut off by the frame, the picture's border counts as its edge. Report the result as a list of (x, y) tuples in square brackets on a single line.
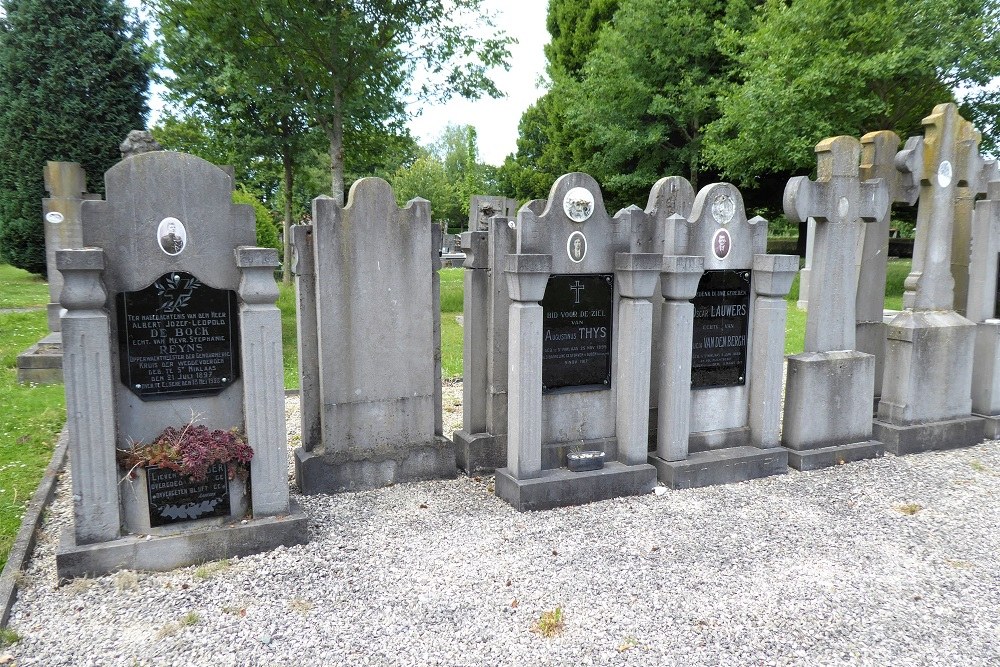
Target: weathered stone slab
[(721, 466)]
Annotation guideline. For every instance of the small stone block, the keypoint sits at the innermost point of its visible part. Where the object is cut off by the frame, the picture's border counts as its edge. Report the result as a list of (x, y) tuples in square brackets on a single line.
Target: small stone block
[(163, 553), (931, 436), (721, 466), (479, 452), (249, 257), (991, 426), (561, 488), (825, 457)]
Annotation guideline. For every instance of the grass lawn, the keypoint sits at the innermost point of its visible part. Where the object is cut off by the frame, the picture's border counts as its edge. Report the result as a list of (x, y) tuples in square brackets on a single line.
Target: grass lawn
[(33, 415)]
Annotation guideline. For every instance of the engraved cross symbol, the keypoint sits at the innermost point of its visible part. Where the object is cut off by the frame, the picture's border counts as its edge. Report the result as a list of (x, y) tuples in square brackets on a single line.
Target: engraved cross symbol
[(576, 288), (837, 199)]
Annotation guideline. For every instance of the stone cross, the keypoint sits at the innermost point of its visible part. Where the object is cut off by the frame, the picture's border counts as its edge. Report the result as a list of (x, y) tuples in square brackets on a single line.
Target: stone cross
[(950, 153), (837, 200)]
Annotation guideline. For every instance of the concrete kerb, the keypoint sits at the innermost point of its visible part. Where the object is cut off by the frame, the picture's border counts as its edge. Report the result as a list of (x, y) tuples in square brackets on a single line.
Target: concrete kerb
[(32, 521)]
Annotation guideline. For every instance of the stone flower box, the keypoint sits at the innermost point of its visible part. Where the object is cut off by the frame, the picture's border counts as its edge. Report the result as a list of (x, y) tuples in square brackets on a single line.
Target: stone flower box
[(583, 461)]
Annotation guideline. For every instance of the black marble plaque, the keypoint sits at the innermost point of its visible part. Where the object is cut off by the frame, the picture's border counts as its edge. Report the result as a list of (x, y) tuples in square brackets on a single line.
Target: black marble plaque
[(576, 332), (721, 325), (178, 338), (174, 497)]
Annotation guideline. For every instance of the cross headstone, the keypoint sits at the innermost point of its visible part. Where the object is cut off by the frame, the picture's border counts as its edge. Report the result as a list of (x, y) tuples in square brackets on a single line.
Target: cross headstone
[(836, 200), (160, 334), (831, 366), (926, 389)]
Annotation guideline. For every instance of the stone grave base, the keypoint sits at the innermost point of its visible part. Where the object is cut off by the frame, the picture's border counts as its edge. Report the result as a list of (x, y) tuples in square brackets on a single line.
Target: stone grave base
[(824, 457), (319, 473), (42, 362), (721, 466), (168, 552), (559, 487), (991, 426), (843, 382), (930, 436), (480, 452)]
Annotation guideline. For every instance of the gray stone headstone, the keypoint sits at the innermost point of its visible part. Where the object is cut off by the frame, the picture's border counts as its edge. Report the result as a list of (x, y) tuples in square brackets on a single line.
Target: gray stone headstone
[(169, 223), (982, 310), (926, 390), (569, 254), (377, 317), (831, 366), (718, 421)]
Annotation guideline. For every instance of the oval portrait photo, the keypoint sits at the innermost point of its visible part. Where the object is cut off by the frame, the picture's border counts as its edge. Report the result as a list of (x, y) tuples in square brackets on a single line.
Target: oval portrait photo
[(172, 236)]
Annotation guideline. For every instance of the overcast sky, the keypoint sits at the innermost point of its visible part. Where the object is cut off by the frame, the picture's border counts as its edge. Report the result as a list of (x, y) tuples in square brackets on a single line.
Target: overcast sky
[(495, 120)]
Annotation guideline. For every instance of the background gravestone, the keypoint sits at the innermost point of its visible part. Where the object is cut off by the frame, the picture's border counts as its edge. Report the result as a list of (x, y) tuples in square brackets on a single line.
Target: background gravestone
[(170, 318), (375, 310), (580, 322), (926, 391), (719, 414), (481, 444), (983, 301), (879, 160), (831, 371), (66, 184)]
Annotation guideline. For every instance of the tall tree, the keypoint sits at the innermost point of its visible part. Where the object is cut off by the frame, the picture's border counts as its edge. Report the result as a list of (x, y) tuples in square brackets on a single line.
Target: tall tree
[(646, 90), (73, 82), (353, 60), (808, 70)]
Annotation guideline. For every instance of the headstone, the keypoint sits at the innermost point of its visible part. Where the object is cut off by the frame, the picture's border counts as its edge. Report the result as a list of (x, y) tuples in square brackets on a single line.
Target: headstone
[(170, 319), (926, 390), (669, 196), (483, 208), (805, 274), (722, 348), (66, 184), (375, 310), (580, 286), (878, 160), (982, 309), (481, 444), (831, 371)]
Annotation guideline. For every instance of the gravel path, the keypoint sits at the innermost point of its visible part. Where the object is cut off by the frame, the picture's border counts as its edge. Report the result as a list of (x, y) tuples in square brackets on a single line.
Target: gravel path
[(894, 562)]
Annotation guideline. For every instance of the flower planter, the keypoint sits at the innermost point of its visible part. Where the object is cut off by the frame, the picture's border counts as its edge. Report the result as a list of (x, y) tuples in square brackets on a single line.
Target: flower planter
[(583, 461), (160, 501)]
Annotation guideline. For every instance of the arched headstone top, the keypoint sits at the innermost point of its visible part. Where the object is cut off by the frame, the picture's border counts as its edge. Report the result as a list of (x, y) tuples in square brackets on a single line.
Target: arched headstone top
[(577, 198), (720, 231), (167, 212), (670, 195), (377, 195)]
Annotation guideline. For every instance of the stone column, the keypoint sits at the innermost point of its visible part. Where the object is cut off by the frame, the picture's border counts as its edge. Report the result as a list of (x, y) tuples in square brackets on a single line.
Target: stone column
[(679, 284), (304, 268), (981, 310), (263, 379), (527, 276), (474, 332), (773, 276), (65, 182), (90, 404), (636, 275)]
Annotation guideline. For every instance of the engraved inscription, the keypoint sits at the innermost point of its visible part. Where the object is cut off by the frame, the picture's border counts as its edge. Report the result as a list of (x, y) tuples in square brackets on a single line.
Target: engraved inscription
[(576, 332), (721, 326)]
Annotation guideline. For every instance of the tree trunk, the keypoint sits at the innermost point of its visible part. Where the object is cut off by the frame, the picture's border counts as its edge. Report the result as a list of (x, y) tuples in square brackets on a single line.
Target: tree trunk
[(335, 133), (286, 266)]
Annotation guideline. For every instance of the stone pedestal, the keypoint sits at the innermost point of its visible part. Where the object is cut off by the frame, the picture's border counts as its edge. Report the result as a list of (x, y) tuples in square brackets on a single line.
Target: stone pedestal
[(926, 395), (827, 409)]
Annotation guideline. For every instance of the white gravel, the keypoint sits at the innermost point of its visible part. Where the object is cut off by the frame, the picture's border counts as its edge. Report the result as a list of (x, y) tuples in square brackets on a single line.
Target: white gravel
[(818, 568)]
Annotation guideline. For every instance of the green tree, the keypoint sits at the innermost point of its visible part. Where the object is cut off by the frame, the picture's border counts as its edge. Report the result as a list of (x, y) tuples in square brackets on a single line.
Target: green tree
[(809, 70), (73, 83), (646, 90), (427, 178), (267, 235), (352, 61)]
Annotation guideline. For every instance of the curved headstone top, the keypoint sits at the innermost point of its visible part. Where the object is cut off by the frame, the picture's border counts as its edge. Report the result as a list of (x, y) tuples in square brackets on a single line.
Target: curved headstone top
[(167, 211), (670, 196), (720, 231), (575, 227)]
